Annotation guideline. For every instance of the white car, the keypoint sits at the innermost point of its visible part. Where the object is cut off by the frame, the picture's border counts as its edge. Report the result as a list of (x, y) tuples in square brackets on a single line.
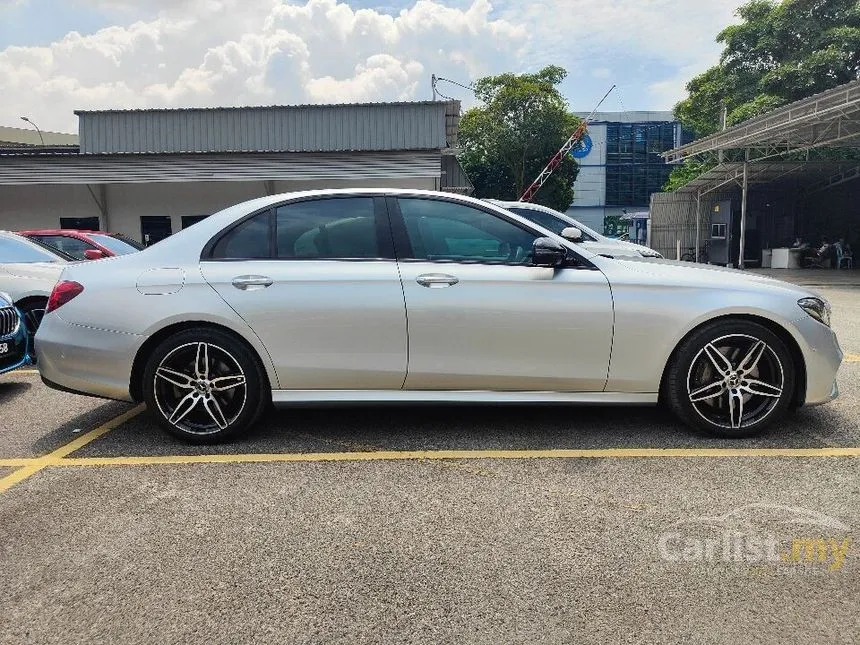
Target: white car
[(592, 240), (28, 273)]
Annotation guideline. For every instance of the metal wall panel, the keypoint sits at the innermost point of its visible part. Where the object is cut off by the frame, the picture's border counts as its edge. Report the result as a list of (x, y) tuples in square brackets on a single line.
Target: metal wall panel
[(309, 128), (673, 218), (115, 169)]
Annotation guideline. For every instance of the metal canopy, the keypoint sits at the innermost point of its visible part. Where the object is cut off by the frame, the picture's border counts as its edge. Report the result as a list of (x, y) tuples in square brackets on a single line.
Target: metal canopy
[(17, 170), (831, 118), (807, 173)]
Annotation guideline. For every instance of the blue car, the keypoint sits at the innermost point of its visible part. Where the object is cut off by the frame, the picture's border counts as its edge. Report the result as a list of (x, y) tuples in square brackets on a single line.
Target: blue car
[(14, 351)]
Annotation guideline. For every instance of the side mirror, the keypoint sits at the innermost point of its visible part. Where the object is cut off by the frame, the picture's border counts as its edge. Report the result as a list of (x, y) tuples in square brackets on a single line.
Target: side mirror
[(93, 254), (572, 233), (546, 252)]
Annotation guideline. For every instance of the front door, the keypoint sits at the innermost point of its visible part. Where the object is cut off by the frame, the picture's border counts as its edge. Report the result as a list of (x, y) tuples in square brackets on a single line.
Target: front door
[(481, 317), (318, 283)]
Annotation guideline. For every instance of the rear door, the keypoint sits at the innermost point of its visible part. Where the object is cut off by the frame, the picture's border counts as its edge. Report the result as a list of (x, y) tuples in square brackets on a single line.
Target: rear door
[(317, 281), (482, 317)]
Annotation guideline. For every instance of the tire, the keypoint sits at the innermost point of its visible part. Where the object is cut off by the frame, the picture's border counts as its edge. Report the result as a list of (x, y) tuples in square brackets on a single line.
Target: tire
[(32, 311), (688, 257), (731, 378), (205, 386)]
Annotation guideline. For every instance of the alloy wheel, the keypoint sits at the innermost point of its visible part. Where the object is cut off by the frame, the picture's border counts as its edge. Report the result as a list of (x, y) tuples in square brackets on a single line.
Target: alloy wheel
[(735, 381), (200, 388)]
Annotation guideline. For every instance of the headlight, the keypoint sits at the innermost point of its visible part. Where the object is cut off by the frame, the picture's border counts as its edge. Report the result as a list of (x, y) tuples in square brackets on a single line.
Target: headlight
[(649, 253), (817, 308)]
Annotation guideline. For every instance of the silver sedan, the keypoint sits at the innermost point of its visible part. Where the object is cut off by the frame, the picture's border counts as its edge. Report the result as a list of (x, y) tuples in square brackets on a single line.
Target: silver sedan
[(399, 295)]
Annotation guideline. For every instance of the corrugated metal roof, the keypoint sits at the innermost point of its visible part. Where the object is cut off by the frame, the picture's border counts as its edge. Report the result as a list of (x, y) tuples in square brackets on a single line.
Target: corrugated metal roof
[(422, 125), (114, 169)]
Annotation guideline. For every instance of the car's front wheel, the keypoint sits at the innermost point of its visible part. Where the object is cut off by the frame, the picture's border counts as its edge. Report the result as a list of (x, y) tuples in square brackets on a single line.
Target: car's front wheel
[(204, 385), (731, 378)]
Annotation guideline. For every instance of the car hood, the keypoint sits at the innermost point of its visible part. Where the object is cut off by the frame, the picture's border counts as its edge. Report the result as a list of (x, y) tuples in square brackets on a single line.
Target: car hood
[(686, 274), (47, 270)]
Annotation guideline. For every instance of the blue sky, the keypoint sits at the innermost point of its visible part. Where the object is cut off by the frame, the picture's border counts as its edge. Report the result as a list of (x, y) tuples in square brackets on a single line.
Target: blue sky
[(128, 54)]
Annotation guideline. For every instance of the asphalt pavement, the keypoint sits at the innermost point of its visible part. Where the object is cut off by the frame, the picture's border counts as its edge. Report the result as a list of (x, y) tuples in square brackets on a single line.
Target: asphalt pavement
[(288, 536)]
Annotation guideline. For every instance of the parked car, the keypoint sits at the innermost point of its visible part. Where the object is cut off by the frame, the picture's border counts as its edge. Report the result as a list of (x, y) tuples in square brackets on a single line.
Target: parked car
[(398, 295), (28, 273), (592, 240), (85, 245), (14, 343)]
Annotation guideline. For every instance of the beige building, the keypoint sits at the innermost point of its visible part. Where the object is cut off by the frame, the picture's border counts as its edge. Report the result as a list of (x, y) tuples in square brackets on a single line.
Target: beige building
[(149, 173)]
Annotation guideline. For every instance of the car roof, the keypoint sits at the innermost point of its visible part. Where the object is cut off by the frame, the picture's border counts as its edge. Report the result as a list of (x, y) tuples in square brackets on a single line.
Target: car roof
[(62, 231)]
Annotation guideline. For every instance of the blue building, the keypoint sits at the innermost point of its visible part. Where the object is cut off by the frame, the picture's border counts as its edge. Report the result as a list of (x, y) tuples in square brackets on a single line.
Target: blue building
[(621, 166)]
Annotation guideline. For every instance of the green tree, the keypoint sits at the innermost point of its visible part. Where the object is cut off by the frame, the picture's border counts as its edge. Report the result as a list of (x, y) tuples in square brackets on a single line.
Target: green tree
[(780, 52), (507, 141)]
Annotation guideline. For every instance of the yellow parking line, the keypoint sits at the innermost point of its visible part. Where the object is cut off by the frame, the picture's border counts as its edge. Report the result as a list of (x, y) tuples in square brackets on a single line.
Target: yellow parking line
[(422, 455), (852, 358), (53, 458)]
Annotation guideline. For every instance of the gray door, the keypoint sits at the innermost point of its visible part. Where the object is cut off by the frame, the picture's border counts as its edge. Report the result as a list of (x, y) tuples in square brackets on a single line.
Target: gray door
[(480, 317), (317, 281)]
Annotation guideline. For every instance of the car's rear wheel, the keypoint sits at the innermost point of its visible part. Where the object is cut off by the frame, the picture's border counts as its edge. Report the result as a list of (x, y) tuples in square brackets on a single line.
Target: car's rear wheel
[(731, 378), (204, 385)]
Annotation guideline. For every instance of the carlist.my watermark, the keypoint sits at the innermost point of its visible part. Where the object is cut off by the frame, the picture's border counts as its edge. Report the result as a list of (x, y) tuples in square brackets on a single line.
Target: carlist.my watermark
[(760, 534)]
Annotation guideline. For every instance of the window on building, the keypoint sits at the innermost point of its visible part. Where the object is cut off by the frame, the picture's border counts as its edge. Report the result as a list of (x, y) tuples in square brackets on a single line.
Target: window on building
[(154, 228), (634, 167), (191, 220), (80, 223), (442, 231)]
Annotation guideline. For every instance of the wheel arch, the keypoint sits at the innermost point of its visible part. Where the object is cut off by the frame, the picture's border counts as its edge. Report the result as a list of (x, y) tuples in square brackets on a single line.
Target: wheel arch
[(779, 330), (139, 363), (26, 300)]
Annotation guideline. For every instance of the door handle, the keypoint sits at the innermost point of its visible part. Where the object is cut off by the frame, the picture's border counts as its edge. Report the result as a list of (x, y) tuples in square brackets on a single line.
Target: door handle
[(252, 282), (436, 280)]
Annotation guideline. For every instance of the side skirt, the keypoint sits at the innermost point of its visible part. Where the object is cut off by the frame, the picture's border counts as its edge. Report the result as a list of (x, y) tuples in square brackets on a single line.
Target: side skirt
[(287, 397)]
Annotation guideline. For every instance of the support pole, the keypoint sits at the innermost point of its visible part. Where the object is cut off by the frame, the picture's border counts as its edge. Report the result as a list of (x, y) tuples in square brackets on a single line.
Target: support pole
[(743, 218), (698, 222)]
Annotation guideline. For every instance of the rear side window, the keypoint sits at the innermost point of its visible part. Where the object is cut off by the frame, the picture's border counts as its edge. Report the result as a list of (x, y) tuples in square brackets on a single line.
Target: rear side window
[(17, 250), (336, 229), (249, 240), (71, 245)]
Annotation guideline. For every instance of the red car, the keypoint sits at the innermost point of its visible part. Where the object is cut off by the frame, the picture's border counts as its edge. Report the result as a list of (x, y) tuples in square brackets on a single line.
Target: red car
[(84, 245)]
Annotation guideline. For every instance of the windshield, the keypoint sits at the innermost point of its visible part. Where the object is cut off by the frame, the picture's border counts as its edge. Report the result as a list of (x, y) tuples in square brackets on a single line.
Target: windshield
[(16, 249), (116, 244)]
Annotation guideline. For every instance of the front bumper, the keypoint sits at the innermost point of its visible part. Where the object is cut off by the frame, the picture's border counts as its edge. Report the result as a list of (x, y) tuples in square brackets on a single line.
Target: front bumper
[(16, 354), (86, 360), (823, 356)]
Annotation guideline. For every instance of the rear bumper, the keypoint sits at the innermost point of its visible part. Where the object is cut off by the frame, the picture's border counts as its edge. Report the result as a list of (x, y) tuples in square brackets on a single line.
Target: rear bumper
[(823, 356), (84, 360)]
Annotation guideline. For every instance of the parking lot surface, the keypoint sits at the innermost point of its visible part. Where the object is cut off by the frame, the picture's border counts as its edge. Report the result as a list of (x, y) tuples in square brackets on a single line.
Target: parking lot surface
[(429, 524)]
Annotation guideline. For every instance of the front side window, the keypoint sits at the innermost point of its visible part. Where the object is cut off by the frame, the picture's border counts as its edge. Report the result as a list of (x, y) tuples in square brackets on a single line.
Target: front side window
[(441, 231), (339, 228)]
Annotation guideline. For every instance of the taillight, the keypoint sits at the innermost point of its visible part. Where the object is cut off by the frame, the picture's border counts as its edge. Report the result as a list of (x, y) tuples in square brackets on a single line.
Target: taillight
[(64, 291)]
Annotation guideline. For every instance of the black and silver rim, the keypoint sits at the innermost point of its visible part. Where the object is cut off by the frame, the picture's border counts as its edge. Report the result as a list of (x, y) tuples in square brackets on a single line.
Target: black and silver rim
[(200, 388), (735, 381)]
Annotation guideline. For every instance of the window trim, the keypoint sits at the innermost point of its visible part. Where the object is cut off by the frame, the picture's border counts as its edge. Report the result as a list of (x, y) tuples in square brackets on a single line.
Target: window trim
[(381, 226), (403, 246)]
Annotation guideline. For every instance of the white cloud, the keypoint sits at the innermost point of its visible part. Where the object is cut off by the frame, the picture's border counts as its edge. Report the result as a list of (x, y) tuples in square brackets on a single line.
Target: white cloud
[(235, 52), (180, 53)]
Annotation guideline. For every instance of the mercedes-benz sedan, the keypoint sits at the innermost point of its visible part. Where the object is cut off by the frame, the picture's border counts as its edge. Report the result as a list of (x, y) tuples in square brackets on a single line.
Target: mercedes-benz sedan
[(398, 295)]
